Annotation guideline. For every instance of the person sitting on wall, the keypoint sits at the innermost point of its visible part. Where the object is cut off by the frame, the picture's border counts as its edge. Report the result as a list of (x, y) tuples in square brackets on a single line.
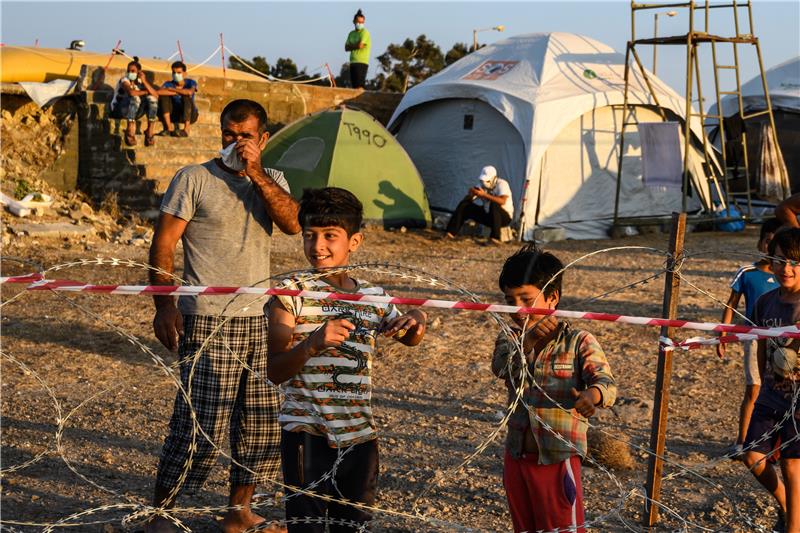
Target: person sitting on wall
[(176, 102), (133, 96), (489, 204)]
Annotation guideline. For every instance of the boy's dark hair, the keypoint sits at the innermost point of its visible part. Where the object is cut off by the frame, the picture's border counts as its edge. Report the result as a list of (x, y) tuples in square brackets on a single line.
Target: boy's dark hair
[(789, 241), (179, 64), (532, 266), (240, 110), (331, 206), (136, 63), (771, 225), (358, 14)]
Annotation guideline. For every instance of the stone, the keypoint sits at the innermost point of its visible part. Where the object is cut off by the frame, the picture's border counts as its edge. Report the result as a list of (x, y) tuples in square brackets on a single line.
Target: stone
[(54, 230)]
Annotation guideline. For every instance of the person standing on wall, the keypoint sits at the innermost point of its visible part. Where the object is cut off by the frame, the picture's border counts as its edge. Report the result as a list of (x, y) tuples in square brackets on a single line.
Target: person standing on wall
[(358, 44)]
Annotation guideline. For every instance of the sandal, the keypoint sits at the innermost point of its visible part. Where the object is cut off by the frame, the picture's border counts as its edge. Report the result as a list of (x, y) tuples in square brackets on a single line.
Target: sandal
[(130, 139), (149, 140)]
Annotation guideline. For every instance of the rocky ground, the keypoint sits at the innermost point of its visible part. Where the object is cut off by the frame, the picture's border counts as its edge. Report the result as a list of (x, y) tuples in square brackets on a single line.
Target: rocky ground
[(436, 404), (32, 140)]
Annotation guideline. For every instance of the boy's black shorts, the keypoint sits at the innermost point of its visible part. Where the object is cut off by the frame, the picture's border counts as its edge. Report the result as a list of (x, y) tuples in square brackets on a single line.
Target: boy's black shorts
[(763, 421), (305, 460)]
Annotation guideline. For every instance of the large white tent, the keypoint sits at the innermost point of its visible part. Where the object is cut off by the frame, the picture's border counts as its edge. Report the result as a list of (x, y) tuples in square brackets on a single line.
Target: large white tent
[(546, 110), (783, 82)]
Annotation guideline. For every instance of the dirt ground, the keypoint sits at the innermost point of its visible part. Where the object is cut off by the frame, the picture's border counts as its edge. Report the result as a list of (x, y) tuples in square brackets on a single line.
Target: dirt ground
[(436, 404)]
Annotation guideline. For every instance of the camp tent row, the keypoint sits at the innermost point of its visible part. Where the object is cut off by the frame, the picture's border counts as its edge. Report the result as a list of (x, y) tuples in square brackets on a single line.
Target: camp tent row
[(546, 110)]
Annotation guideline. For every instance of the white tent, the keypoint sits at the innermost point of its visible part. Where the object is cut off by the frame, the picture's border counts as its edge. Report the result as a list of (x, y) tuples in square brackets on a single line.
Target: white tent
[(783, 82), (539, 108)]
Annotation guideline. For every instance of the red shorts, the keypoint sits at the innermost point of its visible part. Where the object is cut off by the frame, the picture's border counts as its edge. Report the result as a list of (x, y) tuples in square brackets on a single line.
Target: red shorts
[(544, 497)]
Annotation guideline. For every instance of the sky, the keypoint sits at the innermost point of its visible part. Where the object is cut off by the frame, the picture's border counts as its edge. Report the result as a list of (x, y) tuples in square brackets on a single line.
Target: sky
[(313, 33)]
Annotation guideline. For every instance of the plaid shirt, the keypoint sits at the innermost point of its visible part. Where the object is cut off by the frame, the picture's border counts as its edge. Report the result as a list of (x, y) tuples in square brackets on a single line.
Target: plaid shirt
[(573, 358)]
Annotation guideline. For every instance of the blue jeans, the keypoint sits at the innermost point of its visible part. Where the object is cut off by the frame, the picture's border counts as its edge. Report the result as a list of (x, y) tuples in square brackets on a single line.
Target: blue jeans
[(129, 107)]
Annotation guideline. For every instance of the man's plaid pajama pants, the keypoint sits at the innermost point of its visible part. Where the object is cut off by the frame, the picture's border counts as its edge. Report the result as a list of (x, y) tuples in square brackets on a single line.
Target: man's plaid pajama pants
[(225, 397)]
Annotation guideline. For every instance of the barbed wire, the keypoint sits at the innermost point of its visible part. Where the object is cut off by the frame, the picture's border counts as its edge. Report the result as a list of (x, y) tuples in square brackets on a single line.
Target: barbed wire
[(139, 513)]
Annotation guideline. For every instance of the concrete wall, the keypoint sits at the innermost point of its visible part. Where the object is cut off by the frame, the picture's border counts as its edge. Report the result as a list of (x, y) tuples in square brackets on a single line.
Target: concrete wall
[(284, 102)]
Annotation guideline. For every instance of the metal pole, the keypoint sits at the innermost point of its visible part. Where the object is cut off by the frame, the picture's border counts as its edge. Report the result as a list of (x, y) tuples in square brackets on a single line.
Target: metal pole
[(622, 132), (100, 79), (658, 430), (655, 46), (222, 56), (330, 75), (687, 130)]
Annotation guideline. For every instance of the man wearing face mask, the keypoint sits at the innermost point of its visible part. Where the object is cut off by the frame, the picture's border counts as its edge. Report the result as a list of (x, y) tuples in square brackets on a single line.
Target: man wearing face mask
[(134, 96), (358, 44), (489, 204), (176, 101), (222, 211)]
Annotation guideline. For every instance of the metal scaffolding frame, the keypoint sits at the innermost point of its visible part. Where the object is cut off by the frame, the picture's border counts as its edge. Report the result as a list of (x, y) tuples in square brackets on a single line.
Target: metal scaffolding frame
[(691, 40)]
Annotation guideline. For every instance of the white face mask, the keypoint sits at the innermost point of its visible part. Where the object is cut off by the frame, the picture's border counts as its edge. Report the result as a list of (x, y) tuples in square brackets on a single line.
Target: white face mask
[(230, 158)]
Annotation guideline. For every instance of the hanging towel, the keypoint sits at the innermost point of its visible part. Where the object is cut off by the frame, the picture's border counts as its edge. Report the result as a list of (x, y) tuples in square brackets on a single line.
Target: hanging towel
[(662, 164), (772, 177)]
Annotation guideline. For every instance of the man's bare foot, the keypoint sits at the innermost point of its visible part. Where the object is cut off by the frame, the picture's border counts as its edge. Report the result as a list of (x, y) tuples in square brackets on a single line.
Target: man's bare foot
[(240, 521), (159, 524)]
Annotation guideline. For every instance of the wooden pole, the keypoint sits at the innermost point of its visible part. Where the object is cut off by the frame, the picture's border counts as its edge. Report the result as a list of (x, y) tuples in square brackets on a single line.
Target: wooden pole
[(658, 429)]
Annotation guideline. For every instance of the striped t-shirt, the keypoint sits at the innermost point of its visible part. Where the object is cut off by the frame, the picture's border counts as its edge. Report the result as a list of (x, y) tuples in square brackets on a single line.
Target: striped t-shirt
[(331, 395)]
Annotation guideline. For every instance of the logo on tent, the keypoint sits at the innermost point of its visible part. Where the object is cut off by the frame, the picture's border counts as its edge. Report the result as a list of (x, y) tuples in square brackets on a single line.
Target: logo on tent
[(491, 70)]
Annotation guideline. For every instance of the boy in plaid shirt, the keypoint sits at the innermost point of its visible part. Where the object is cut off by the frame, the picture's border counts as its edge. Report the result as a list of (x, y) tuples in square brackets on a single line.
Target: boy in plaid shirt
[(547, 430)]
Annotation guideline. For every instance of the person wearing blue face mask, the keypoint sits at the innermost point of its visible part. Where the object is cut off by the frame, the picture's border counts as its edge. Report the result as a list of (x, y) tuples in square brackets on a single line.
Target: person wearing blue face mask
[(133, 96), (358, 44), (176, 101)]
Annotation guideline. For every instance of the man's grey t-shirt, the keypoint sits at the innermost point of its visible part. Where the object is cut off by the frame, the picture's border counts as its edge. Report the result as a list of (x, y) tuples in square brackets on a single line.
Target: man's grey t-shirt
[(228, 237)]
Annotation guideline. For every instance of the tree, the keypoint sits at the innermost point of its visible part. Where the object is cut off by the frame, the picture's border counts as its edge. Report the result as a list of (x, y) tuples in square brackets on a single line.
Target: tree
[(405, 65), (285, 69), (259, 63), (458, 51), (343, 79)]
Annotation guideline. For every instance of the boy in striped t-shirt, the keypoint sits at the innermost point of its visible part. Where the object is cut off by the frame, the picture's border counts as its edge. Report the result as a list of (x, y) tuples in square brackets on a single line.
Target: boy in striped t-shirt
[(320, 351)]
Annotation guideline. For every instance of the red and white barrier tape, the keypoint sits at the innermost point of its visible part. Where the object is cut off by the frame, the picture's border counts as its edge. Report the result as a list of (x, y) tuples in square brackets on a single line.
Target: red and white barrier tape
[(38, 283)]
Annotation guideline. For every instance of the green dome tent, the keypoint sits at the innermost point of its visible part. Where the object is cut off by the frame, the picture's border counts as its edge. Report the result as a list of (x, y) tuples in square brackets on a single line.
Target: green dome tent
[(348, 148)]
